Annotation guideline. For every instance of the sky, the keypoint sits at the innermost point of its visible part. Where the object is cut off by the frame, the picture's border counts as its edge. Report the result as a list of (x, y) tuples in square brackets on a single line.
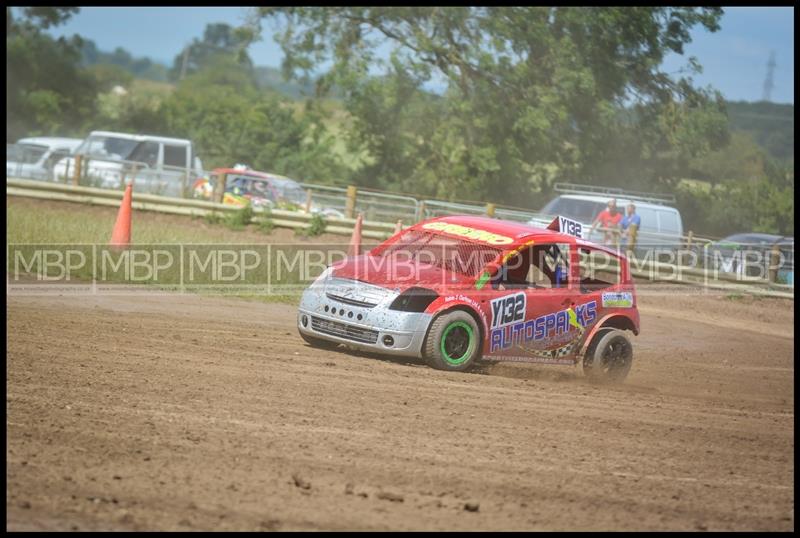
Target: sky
[(734, 59)]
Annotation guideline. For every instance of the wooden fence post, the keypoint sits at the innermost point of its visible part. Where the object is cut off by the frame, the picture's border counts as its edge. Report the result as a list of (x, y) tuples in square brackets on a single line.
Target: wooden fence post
[(421, 210), (689, 238), (219, 193), (185, 190), (350, 204), (76, 174), (490, 210), (774, 263), (308, 200)]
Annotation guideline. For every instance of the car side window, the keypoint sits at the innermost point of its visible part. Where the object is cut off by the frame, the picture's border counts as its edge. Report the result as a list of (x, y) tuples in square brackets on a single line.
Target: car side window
[(175, 156), (540, 266), (147, 153), (598, 270), (235, 184), (54, 157)]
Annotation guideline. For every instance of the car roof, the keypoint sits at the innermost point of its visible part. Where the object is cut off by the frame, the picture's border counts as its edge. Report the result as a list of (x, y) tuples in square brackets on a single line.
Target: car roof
[(621, 201), (242, 172), (52, 141), (518, 231), (255, 174), (142, 138), (281, 180)]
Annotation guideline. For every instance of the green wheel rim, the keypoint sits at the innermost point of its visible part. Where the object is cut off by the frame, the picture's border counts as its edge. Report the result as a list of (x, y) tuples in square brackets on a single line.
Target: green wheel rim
[(456, 342)]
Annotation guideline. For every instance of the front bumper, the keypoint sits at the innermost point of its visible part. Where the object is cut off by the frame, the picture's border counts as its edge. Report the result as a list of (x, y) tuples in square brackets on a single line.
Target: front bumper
[(361, 319)]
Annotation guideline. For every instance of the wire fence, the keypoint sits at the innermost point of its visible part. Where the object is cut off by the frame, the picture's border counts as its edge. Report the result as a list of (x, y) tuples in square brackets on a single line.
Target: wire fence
[(375, 206)]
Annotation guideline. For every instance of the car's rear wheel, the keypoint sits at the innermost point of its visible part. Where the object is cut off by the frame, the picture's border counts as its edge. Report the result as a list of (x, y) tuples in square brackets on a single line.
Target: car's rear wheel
[(318, 342), (609, 357), (453, 342)]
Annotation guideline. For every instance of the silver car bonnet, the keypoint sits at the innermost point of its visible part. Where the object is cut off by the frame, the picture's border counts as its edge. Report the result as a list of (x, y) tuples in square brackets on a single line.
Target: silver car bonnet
[(357, 314), (357, 293)]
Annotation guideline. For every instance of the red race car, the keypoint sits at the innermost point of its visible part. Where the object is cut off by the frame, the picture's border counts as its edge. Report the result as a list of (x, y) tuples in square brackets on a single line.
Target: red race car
[(456, 290)]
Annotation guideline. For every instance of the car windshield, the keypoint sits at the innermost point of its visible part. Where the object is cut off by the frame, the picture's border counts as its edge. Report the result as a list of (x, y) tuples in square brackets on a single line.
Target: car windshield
[(457, 255), (25, 153), (580, 210), (250, 185), (108, 147), (290, 190), (260, 187)]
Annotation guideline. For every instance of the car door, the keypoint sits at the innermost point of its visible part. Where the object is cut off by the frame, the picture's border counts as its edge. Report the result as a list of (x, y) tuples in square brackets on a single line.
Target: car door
[(600, 286), (530, 312), (175, 167)]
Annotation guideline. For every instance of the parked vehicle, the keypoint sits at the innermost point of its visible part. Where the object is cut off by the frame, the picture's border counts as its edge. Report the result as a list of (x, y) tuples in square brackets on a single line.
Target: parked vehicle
[(749, 254), (455, 290), (261, 189), (661, 227), (159, 165), (34, 158)]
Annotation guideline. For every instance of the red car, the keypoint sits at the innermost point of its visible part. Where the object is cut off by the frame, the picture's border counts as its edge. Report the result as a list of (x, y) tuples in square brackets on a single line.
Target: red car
[(456, 290)]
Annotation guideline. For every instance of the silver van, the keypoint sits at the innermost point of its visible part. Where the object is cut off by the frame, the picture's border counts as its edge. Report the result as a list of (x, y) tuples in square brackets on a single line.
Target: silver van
[(160, 165), (661, 226), (34, 158)]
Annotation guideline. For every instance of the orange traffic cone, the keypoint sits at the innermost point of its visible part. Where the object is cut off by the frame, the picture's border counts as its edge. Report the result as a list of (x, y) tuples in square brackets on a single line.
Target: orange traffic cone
[(398, 227), (355, 240), (121, 236)]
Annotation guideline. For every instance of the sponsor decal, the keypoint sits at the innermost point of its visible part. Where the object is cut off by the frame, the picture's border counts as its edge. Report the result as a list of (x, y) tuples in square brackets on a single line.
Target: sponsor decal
[(468, 233), (508, 309), (509, 327), (538, 360), (234, 199), (470, 301), (507, 256), (617, 299)]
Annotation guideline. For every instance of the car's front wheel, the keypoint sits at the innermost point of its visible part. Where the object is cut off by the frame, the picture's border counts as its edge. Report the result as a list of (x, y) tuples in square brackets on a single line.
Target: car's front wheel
[(453, 342)]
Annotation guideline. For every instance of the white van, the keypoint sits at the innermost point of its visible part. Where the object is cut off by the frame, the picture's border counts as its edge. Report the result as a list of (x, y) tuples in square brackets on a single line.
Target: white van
[(661, 227), (160, 165), (34, 158)]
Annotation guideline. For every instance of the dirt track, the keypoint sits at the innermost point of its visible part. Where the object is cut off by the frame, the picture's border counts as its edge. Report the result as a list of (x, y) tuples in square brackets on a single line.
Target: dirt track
[(183, 412)]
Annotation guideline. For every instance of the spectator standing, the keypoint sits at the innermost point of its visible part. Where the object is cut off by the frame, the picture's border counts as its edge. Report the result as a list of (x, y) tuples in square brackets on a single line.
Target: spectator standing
[(608, 220), (630, 223)]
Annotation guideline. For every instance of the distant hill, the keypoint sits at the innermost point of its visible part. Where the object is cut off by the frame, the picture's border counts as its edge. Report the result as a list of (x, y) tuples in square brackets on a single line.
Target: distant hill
[(145, 68), (139, 67), (272, 78), (770, 124)]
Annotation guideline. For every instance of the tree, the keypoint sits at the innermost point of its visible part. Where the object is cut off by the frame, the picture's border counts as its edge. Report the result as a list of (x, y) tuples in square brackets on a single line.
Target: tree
[(740, 159), (108, 75), (47, 91), (219, 40), (232, 124), (527, 87)]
